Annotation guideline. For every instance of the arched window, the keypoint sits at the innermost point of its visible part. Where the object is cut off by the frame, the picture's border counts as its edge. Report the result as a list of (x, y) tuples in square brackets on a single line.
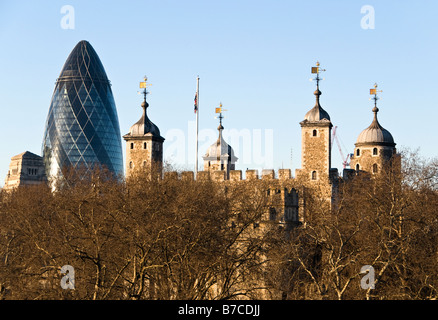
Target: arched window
[(315, 133), (357, 167), (145, 145), (130, 164), (375, 168), (132, 145), (313, 175), (375, 152), (358, 152)]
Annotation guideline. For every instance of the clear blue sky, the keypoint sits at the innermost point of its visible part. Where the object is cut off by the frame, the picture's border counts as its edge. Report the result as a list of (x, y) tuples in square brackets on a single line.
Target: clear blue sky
[(253, 56)]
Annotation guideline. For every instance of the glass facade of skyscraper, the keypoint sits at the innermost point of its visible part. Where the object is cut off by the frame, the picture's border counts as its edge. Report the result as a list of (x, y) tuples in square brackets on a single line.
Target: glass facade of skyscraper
[(82, 127)]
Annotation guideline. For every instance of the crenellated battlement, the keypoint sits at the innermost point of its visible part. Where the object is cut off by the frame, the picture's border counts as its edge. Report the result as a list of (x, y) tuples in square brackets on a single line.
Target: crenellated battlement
[(235, 175)]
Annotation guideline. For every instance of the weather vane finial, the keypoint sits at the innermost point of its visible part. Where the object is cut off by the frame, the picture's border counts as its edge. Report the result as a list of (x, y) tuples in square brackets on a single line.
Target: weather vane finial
[(220, 117), (374, 92), (143, 85), (316, 70)]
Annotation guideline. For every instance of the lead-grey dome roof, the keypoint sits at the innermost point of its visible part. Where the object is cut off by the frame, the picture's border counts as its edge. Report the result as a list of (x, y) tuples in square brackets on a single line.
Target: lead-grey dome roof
[(220, 149), (317, 113), (375, 133), (144, 125)]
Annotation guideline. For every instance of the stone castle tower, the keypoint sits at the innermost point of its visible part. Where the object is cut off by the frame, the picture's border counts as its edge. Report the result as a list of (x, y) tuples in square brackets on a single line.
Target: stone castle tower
[(144, 144), (374, 147), (316, 143)]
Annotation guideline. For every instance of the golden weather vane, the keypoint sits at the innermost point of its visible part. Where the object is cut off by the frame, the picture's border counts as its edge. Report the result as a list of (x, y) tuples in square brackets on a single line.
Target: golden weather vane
[(316, 70), (220, 110), (374, 92), (144, 85)]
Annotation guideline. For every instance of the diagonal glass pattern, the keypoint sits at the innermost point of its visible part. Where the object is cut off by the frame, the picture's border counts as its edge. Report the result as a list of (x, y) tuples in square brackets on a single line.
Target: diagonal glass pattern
[(82, 127)]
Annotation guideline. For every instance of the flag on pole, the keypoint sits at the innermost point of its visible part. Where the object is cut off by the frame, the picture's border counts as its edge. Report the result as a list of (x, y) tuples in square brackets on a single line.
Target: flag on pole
[(196, 102), (197, 126), (373, 91)]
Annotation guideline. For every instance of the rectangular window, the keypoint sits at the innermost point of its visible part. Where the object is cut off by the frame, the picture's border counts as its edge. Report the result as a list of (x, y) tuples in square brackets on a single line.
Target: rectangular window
[(272, 214)]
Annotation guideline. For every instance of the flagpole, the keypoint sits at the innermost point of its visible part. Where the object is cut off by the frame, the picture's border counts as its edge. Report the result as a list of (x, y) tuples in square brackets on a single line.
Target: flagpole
[(197, 125)]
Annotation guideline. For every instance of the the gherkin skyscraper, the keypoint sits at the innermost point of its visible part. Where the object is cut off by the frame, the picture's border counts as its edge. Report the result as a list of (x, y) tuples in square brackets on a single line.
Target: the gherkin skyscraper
[(82, 127)]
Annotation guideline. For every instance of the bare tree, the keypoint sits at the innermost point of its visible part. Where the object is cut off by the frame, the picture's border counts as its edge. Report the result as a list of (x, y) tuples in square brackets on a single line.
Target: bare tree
[(174, 238), (388, 221)]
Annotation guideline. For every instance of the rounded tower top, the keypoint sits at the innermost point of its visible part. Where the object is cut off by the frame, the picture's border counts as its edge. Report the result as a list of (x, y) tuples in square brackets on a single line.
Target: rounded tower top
[(144, 125), (220, 148), (375, 133), (317, 113)]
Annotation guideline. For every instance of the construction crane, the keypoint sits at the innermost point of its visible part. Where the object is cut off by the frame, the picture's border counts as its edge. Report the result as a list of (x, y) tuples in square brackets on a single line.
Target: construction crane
[(345, 162)]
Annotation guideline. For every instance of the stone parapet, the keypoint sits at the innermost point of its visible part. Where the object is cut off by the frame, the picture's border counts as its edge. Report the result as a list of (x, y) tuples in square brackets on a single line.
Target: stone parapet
[(235, 175)]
